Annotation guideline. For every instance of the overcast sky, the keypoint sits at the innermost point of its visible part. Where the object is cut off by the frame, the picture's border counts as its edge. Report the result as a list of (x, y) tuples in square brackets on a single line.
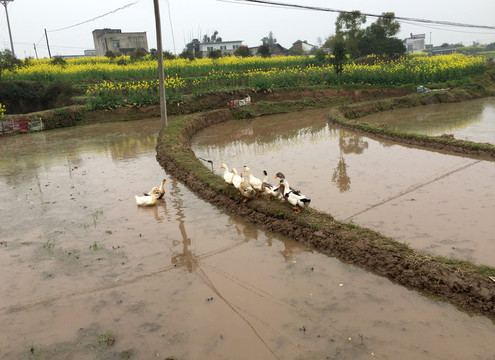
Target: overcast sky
[(234, 20)]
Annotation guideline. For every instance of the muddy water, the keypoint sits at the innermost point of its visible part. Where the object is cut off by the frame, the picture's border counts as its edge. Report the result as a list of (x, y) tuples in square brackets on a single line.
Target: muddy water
[(86, 274), (437, 203), (469, 120)]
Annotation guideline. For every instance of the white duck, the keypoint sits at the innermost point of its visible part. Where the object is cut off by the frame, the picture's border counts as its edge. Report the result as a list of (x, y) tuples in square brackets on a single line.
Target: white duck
[(282, 176), (294, 197), (159, 191), (148, 200), (227, 175), (269, 189), (254, 181), (236, 179)]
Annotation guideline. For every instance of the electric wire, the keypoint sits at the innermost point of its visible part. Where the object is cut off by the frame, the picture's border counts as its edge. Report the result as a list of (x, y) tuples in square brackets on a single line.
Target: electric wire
[(97, 17), (171, 26), (316, 8)]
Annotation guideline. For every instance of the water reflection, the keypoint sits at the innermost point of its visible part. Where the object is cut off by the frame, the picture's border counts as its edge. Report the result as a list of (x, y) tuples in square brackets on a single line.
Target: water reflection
[(186, 257), (24, 157), (243, 229), (349, 143), (468, 120), (397, 190)]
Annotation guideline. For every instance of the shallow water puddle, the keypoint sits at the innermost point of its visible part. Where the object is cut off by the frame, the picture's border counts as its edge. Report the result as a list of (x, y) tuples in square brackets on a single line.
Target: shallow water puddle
[(472, 120), (439, 203), (86, 274)]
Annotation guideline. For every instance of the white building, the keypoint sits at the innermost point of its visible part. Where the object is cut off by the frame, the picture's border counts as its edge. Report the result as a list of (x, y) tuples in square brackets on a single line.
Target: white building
[(415, 43), (302, 47), (226, 47)]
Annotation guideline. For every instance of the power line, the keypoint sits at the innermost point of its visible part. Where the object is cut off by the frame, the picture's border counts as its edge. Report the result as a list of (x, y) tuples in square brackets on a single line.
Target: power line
[(444, 29), (171, 27), (316, 8), (97, 17)]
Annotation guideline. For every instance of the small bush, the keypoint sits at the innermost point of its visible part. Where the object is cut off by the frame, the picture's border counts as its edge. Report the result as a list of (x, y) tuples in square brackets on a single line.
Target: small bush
[(22, 97), (242, 51), (186, 54), (111, 54), (138, 54), (215, 54)]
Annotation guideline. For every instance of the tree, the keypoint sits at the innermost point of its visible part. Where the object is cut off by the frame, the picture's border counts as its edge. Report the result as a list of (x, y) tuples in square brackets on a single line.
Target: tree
[(339, 56), (264, 51), (348, 26), (242, 51), (193, 46), (213, 38), (269, 40), (377, 38), (8, 61), (389, 24)]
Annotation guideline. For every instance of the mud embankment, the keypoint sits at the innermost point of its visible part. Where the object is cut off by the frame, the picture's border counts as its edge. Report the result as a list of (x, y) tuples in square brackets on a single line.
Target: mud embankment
[(461, 283)]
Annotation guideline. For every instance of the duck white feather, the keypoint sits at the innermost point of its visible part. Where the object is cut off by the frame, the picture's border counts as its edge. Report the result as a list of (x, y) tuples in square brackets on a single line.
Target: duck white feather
[(269, 189), (236, 179), (294, 197), (255, 183), (227, 175), (148, 200)]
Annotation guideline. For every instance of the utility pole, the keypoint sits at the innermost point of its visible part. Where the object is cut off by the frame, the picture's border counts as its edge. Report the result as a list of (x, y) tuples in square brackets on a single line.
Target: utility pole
[(4, 2), (48, 45), (35, 51), (161, 80)]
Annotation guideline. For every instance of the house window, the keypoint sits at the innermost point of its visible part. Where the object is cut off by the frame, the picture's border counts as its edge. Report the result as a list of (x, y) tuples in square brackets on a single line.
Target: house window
[(235, 46), (116, 44), (223, 47), (209, 48)]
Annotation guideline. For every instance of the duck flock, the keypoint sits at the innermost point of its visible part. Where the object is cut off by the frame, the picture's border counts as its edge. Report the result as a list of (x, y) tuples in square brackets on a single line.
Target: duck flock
[(252, 187)]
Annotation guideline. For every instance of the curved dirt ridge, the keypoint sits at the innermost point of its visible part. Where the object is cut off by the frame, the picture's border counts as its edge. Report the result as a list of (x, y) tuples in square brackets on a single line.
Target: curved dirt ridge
[(446, 280)]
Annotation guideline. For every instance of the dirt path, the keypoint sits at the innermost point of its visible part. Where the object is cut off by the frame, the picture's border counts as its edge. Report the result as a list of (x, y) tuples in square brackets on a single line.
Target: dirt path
[(458, 282)]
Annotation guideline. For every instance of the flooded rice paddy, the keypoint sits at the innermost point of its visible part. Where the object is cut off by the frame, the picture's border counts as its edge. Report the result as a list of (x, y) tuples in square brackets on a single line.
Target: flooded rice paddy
[(86, 274), (436, 203), (468, 120)]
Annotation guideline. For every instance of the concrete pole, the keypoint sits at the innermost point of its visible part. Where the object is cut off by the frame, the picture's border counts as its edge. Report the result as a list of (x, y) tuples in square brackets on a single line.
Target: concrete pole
[(48, 45), (163, 102), (4, 2)]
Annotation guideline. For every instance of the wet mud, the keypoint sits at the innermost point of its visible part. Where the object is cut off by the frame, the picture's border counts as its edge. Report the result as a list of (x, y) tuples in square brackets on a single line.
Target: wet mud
[(454, 282)]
